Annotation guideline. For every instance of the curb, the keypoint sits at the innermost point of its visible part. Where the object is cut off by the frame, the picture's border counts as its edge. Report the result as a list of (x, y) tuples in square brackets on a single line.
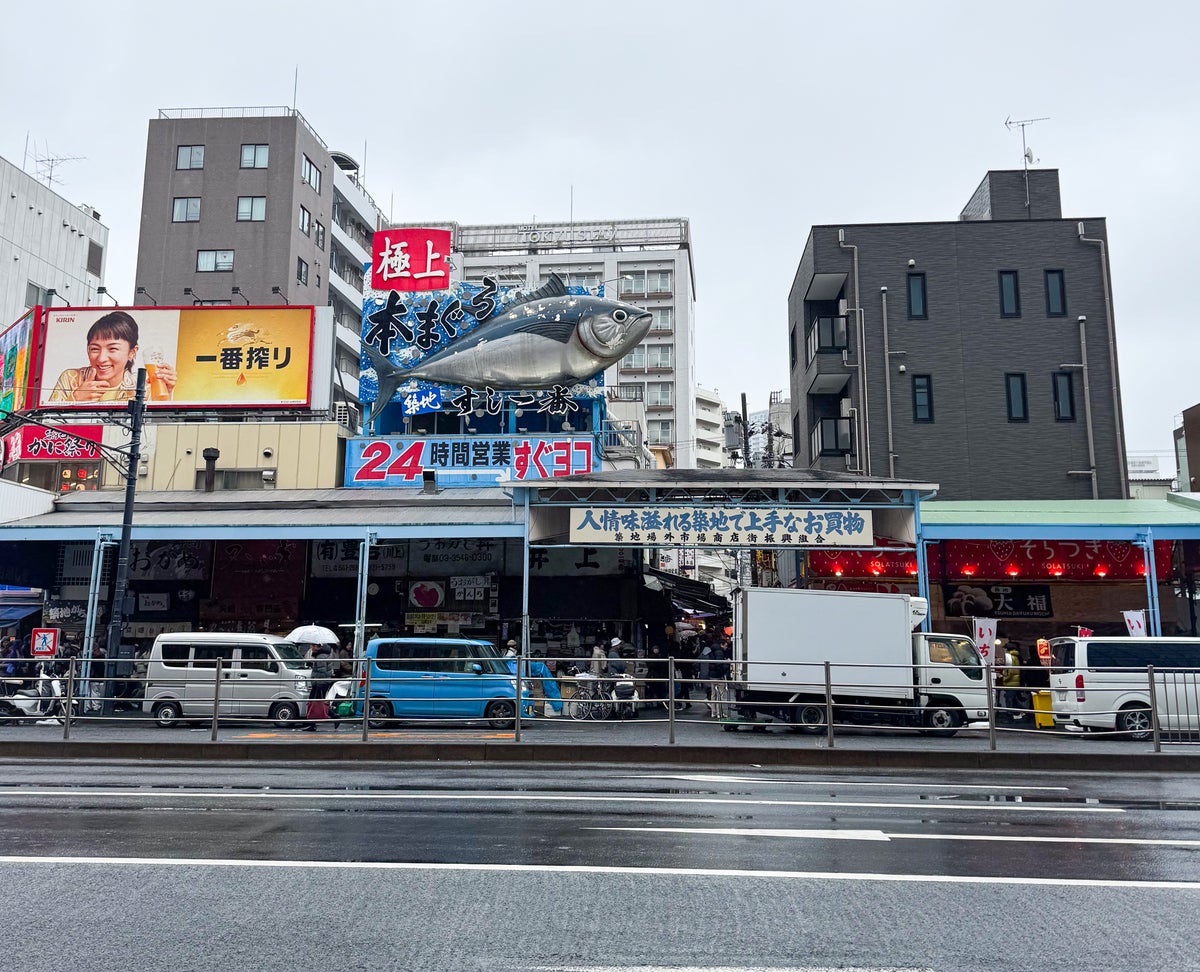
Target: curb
[(606, 754)]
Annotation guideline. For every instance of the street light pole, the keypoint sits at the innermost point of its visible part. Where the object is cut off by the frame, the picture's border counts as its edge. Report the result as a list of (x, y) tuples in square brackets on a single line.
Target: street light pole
[(137, 409)]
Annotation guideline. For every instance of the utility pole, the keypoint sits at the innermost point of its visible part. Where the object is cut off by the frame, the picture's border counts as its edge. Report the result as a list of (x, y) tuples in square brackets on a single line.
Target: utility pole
[(137, 409), (746, 451)]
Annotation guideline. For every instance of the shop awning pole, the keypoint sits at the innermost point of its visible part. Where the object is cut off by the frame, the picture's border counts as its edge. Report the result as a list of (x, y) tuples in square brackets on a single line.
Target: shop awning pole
[(360, 616), (524, 617), (103, 540)]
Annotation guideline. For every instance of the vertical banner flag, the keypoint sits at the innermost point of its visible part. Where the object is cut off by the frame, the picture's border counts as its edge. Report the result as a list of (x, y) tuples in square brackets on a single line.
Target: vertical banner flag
[(1085, 632), (1135, 622), (985, 638)]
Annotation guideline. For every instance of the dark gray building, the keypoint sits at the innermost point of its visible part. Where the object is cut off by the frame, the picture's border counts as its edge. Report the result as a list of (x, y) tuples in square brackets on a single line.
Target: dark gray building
[(250, 205), (979, 353)]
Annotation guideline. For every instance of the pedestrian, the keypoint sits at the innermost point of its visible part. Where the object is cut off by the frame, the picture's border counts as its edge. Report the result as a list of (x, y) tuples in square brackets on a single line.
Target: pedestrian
[(656, 674), (616, 664), (538, 669), (1010, 679), (599, 662), (320, 658)]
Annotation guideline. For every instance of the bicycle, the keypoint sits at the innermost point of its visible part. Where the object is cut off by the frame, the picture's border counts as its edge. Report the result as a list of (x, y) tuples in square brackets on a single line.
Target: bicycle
[(590, 701)]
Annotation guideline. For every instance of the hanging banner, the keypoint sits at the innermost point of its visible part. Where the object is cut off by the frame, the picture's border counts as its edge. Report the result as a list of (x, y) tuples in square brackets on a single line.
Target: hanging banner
[(984, 630), (657, 526), (1135, 623)]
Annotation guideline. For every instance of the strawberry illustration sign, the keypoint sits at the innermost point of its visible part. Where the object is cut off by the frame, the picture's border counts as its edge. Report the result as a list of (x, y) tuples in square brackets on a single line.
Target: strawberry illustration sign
[(411, 259)]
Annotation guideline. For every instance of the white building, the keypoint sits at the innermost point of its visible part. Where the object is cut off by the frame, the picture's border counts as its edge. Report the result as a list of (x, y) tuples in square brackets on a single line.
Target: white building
[(46, 243), (710, 429), (646, 262), (775, 420)]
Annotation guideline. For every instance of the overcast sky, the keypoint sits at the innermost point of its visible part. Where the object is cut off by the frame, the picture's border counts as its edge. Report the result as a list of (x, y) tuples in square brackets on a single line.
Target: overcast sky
[(753, 119)]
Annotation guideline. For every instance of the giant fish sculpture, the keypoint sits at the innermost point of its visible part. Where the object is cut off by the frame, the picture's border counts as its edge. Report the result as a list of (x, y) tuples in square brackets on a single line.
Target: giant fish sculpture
[(547, 338)]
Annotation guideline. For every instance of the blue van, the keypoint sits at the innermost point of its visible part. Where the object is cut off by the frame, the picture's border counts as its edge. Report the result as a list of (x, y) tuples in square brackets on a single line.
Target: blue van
[(440, 678)]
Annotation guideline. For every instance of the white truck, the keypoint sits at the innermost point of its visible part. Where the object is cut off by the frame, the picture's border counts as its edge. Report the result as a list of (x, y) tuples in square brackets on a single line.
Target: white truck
[(882, 670)]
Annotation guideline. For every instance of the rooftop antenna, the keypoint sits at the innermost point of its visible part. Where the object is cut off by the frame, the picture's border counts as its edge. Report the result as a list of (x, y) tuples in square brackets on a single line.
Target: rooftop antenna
[(295, 86), (44, 165), (1026, 152)]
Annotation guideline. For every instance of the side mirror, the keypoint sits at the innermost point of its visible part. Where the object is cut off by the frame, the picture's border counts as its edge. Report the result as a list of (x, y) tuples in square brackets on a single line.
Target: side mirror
[(475, 668)]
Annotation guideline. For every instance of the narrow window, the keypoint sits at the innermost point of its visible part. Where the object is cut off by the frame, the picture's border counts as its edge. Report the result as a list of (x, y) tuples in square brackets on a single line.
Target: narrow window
[(1056, 294), (305, 221), (1014, 389), (917, 309), (922, 395), (319, 234), (792, 346), (301, 271), (1064, 396), (1010, 294)]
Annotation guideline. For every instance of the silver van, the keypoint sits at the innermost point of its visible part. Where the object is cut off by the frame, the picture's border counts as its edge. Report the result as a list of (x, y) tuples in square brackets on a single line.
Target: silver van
[(1104, 684), (262, 676)]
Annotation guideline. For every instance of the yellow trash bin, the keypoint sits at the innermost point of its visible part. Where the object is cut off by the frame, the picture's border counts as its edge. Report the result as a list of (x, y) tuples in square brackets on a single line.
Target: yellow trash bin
[(1042, 711)]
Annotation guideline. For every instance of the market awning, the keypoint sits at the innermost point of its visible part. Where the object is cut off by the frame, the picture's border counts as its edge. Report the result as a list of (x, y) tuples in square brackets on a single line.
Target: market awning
[(12, 613), (687, 594)]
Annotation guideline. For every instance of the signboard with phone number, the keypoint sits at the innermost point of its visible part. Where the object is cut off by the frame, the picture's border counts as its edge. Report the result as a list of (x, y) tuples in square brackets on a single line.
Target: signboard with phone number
[(464, 460)]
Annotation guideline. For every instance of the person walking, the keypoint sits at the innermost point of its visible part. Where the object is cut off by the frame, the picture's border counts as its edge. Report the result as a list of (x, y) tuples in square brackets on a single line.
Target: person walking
[(540, 670)]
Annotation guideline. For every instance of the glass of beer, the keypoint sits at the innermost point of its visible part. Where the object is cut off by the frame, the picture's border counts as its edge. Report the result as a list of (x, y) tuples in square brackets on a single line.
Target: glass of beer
[(156, 387)]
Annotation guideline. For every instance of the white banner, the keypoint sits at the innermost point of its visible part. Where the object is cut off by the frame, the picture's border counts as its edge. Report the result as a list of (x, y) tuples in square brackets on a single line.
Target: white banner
[(985, 638), (672, 526), (1135, 622)]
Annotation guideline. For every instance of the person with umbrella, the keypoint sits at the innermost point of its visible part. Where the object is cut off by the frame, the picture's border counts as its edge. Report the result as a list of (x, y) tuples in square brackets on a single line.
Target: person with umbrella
[(317, 642)]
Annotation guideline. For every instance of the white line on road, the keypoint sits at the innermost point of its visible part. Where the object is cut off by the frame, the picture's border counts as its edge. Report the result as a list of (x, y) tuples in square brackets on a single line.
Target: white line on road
[(722, 968), (702, 778), (166, 795), (883, 835), (600, 869)]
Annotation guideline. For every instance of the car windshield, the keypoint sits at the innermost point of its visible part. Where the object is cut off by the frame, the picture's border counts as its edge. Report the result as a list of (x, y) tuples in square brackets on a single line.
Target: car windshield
[(290, 655), (1062, 656), (957, 651)]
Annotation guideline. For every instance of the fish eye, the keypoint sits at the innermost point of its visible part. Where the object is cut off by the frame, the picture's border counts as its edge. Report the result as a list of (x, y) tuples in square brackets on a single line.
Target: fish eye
[(620, 316)]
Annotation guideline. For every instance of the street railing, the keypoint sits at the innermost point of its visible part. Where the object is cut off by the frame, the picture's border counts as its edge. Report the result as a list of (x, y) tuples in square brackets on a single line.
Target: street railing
[(1161, 705)]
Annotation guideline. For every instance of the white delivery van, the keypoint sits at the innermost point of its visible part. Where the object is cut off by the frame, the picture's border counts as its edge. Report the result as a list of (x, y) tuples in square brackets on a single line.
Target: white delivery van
[(1103, 683), (262, 676)]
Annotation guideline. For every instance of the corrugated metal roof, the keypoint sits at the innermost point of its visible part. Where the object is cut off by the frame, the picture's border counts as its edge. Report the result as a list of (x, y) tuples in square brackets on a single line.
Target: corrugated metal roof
[(1181, 509), (727, 478)]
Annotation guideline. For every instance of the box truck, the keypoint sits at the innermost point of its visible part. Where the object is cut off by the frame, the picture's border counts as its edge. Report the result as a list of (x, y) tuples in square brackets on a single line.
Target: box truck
[(882, 670)]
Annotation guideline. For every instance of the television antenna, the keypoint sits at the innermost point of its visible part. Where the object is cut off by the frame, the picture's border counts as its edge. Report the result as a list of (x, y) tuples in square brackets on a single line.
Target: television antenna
[(1027, 158), (44, 166)]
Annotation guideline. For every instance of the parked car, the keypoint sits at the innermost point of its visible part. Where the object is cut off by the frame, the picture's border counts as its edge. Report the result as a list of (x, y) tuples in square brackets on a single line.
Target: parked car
[(440, 678)]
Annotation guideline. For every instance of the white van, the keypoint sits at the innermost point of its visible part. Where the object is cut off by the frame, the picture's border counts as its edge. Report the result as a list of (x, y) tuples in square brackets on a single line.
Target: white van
[(1102, 683), (261, 676)]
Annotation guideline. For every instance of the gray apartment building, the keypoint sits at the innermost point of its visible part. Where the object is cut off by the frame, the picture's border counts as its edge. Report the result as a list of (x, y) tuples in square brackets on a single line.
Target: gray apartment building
[(978, 353), (249, 205)]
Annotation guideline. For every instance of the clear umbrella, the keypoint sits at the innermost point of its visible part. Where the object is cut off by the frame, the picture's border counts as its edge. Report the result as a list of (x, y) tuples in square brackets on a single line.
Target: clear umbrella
[(313, 634)]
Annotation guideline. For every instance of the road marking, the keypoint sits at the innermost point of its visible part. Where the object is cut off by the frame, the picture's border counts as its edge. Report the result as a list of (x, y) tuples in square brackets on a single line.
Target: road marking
[(354, 736), (924, 806), (600, 869), (883, 835), (724, 968), (701, 778)]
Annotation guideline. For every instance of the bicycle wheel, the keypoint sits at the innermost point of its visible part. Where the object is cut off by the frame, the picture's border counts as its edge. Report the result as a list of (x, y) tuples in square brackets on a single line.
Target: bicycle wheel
[(579, 704), (600, 708)]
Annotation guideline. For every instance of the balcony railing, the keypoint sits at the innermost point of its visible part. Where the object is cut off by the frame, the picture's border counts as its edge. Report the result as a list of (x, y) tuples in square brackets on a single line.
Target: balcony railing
[(828, 335)]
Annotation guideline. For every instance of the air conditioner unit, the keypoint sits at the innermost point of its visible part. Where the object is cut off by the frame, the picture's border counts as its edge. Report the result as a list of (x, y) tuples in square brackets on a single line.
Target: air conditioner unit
[(842, 307), (343, 414), (846, 407)]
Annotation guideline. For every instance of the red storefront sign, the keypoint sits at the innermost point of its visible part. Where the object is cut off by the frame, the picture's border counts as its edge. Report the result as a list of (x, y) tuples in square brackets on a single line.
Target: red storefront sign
[(955, 560), (411, 259), (37, 443)]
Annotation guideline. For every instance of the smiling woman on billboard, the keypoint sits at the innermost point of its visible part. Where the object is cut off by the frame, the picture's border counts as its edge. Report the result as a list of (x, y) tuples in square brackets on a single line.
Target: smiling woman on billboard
[(110, 375)]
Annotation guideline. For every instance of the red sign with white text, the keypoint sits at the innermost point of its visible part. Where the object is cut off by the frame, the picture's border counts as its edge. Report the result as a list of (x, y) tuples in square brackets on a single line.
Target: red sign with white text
[(411, 259), (33, 442)]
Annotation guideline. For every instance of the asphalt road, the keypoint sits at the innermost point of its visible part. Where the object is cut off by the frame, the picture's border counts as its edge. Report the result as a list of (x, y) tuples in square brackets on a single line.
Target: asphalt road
[(413, 866)]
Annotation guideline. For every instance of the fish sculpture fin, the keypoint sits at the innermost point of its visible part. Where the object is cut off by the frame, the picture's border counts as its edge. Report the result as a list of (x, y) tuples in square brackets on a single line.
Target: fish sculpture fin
[(388, 378), (554, 287), (559, 331)]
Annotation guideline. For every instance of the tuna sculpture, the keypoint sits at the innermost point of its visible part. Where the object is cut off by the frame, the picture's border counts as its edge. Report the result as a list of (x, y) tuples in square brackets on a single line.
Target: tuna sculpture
[(548, 338)]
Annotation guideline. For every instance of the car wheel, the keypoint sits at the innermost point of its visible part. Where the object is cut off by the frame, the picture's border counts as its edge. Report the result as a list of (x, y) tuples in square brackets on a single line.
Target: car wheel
[(167, 714), (285, 713), (942, 720), (1135, 722), (379, 711), (500, 714), (809, 717)]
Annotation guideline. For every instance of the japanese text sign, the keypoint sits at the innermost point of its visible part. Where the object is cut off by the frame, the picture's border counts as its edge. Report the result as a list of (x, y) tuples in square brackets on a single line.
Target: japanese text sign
[(465, 460), (195, 357), (411, 259), (780, 526), (37, 442)]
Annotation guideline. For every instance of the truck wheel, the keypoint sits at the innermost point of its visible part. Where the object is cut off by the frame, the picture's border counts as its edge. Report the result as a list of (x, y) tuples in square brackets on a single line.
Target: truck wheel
[(809, 717), (1134, 722), (942, 720)]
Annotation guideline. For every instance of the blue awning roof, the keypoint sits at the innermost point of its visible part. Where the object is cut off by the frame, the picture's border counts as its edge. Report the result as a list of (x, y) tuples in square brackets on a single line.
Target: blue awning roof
[(11, 613)]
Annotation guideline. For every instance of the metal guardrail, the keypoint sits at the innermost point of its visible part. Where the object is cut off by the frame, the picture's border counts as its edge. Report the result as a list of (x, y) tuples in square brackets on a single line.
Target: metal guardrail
[(1162, 706)]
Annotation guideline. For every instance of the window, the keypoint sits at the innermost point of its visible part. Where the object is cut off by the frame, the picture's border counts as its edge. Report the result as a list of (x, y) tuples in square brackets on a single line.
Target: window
[(252, 209), (661, 431), (35, 294), (633, 283), (1064, 396), (1014, 390), (659, 393), (658, 282), (922, 395), (1056, 294), (319, 234), (254, 156), (310, 173), (95, 258), (301, 271), (831, 437), (662, 320), (176, 656), (205, 656), (1010, 294), (827, 335), (305, 221), (258, 658), (918, 310), (659, 356), (189, 157), (792, 346), (186, 209), (636, 358), (233, 478), (208, 261)]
